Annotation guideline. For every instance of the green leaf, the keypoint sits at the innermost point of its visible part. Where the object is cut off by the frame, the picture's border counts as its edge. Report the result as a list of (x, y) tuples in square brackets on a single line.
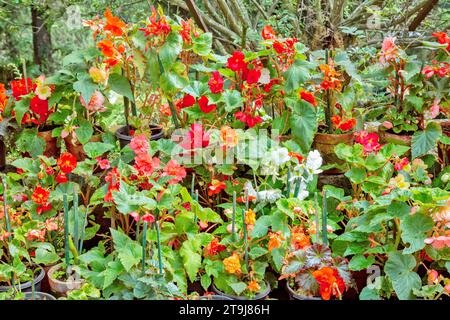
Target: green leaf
[(399, 269), (360, 262), (202, 44), (303, 123), (86, 87), (129, 251), (414, 231), (96, 149), (261, 227), (45, 254), (238, 287), (424, 141), (84, 131), (356, 175), (120, 85), (205, 281), (171, 81), (170, 50), (232, 99), (369, 294), (20, 108), (129, 200), (192, 260), (296, 75)]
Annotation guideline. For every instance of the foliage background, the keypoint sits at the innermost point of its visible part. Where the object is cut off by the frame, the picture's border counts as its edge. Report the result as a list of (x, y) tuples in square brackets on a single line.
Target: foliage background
[(318, 23)]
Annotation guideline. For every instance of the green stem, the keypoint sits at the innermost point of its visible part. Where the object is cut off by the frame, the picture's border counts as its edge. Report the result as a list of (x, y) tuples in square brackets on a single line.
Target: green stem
[(297, 187), (158, 239), (288, 183), (83, 231), (66, 229), (244, 227), (316, 203), (233, 218), (75, 216), (144, 245), (192, 185), (324, 219), (195, 214), (397, 233)]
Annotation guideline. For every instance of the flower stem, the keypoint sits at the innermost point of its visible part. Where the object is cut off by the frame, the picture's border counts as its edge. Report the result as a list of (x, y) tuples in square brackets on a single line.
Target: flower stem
[(66, 229)]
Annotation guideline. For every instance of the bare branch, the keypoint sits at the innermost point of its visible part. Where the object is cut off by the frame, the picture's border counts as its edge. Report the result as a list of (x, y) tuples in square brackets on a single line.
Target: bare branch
[(422, 14), (241, 12), (229, 16)]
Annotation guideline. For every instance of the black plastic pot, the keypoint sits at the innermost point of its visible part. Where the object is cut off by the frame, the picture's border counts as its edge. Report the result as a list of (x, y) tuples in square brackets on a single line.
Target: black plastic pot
[(259, 296), (125, 138), (27, 286), (39, 296), (295, 296)]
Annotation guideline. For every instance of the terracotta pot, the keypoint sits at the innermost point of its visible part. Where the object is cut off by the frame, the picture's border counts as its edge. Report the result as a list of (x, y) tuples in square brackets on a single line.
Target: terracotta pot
[(400, 139), (259, 296), (125, 138), (51, 148), (60, 288), (77, 148), (295, 296), (325, 144)]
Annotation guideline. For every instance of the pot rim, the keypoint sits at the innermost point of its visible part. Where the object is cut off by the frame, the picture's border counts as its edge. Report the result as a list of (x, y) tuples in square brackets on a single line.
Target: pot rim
[(382, 132), (27, 284), (323, 134), (158, 135), (38, 293), (212, 296), (59, 282), (259, 296), (297, 296)]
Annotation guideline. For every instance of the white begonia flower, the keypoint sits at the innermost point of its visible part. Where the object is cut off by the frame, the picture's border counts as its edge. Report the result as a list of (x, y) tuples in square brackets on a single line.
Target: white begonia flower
[(303, 194), (271, 195), (314, 162), (280, 156)]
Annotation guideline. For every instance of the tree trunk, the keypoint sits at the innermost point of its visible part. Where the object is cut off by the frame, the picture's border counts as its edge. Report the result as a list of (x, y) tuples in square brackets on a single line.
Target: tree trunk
[(42, 44)]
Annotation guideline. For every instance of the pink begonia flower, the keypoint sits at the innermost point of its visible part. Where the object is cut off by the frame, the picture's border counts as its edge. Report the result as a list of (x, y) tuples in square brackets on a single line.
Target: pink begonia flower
[(438, 242), (447, 288), (174, 170), (387, 124), (433, 276), (389, 50), (139, 144), (136, 217), (435, 108), (145, 164), (96, 102), (103, 163)]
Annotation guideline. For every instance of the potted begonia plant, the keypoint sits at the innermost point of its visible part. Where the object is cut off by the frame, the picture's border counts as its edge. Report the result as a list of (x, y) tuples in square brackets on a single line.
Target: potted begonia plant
[(397, 216), (338, 119), (31, 107), (410, 106), (151, 56)]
